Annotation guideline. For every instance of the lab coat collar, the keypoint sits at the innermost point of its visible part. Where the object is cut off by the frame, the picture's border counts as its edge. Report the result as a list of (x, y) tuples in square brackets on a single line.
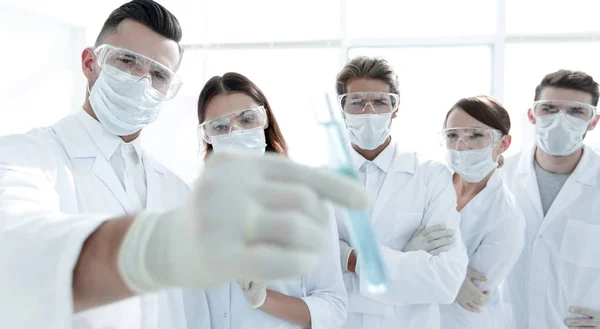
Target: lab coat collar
[(78, 142), (151, 163), (588, 167), (528, 179), (405, 162), (482, 198), (75, 138), (585, 173), (401, 162), (106, 142), (357, 159), (526, 161), (382, 161), (388, 158)]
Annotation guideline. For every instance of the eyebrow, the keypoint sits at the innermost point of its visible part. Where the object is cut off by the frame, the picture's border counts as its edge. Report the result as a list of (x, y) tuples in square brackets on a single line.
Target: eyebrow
[(218, 120), (243, 112), (160, 70), (131, 56)]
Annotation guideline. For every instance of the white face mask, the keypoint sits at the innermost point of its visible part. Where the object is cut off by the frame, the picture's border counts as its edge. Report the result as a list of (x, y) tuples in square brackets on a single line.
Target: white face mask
[(559, 134), (123, 103), (368, 131), (252, 140), (472, 165)]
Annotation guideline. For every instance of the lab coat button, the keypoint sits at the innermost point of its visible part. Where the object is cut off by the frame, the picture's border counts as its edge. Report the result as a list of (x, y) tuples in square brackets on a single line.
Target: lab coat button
[(225, 314)]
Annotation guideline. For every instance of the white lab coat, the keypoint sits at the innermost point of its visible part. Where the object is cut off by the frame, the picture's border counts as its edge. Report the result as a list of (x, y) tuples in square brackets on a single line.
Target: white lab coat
[(492, 227), (414, 192), (559, 266), (323, 292), (55, 190)]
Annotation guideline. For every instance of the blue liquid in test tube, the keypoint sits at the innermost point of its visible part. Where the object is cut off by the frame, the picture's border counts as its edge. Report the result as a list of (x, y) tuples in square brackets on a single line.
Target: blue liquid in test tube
[(358, 222)]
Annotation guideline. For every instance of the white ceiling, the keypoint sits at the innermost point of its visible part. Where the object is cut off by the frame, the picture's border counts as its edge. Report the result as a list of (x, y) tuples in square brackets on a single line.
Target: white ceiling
[(90, 15), (79, 13)]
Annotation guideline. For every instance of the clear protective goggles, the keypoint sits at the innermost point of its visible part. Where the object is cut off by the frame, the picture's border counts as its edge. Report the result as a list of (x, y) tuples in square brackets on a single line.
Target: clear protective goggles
[(577, 110), (235, 121), (162, 79), (380, 103), (469, 138)]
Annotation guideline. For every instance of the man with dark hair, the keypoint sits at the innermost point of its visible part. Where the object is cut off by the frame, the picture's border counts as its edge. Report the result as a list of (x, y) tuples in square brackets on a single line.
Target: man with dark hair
[(413, 211), (149, 13), (88, 218), (556, 281)]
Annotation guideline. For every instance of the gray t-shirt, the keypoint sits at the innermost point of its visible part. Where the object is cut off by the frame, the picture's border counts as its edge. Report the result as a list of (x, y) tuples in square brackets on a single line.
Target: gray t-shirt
[(549, 185)]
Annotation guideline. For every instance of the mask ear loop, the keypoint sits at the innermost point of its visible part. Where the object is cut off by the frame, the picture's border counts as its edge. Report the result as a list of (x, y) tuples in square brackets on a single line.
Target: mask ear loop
[(201, 142), (500, 157), (500, 161), (94, 66)]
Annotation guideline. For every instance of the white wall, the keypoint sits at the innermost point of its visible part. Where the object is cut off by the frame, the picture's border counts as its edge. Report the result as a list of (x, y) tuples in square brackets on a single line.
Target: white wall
[(41, 77), (42, 80), (505, 52)]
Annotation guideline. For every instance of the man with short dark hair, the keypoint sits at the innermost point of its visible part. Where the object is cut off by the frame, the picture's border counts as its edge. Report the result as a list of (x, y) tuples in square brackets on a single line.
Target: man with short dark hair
[(413, 211), (556, 281), (88, 218)]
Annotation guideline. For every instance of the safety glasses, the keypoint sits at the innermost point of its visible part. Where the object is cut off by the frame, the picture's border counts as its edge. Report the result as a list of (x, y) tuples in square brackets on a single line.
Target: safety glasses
[(162, 79), (469, 138), (359, 103), (239, 120), (577, 110)]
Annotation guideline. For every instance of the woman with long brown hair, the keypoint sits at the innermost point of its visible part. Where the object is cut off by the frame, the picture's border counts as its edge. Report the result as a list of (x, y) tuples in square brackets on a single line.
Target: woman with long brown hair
[(234, 114), (253, 128)]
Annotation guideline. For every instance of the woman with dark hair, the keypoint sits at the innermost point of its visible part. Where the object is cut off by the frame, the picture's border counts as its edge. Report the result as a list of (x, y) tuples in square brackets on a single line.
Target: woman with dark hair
[(476, 133), (234, 114), (253, 127)]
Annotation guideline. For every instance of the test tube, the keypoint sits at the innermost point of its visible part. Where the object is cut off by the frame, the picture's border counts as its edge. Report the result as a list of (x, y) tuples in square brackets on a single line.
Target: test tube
[(359, 225)]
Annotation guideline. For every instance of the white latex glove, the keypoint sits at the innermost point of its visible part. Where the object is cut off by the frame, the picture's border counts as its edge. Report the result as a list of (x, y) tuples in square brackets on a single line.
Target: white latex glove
[(345, 251), (249, 216), (434, 239), (254, 291), (588, 318), (470, 297)]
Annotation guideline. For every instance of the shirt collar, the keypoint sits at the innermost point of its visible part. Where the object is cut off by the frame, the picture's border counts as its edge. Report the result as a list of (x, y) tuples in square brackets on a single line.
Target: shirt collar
[(482, 198), (383, 161), (106, 142)]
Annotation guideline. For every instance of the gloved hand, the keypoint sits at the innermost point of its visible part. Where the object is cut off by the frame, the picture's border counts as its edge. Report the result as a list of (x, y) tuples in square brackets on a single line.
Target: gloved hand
[(345, 251), (434, 239), (470, 297), (588, 318), (249, 216), (254, 291)]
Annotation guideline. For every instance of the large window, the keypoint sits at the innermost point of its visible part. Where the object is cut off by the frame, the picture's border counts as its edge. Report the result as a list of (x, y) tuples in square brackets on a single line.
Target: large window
[(39, 66), (442, 51), (270, 21), (425, 95), (295, 81), (526, 65), (410, 19), (545, 17)]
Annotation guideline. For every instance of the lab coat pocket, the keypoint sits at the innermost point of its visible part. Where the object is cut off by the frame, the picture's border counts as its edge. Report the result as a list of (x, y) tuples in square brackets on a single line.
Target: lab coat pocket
[(403, 229), (580, 241)]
